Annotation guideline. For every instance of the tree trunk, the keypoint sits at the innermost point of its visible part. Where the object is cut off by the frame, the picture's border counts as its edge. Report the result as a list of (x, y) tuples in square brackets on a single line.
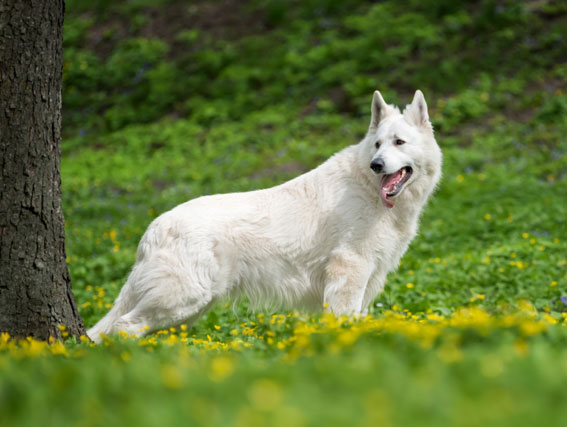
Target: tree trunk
[(35, 288)]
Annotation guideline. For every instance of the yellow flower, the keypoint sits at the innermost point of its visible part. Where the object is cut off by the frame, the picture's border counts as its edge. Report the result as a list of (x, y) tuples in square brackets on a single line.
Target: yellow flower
[(450, 353), (527, 307), (521, 347), (265, 395), (33, 348), (171, 377), (434, 317), (221, 368), (58, 349), (487, 217), (554, 283), (409, 286), (531, 327), (171, 340), (348, 337)]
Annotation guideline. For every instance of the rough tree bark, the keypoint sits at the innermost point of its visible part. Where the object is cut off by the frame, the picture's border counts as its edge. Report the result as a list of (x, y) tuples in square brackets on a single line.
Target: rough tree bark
[(35, 289)]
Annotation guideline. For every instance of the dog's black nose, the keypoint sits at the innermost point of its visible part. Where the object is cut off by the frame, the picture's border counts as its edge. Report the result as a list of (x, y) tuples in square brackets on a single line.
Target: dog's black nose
[(377, 165)]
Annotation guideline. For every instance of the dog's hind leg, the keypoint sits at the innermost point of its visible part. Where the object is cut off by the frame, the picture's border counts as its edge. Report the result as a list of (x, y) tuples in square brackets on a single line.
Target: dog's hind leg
[(165, 291), (149, 317), (171, 291)]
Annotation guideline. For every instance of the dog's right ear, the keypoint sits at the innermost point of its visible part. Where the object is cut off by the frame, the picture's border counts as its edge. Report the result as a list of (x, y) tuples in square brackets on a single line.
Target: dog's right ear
[(379, 110)]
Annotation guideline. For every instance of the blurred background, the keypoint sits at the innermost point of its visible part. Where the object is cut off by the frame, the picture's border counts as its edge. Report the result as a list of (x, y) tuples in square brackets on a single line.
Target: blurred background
[(168, 100)]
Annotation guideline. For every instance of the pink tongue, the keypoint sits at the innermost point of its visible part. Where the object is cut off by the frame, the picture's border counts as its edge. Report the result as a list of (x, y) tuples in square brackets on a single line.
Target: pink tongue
[(385, 184)]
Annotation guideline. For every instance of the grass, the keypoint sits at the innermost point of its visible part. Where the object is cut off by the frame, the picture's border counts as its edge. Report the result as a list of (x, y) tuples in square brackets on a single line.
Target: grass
[(330, 372), (471, 329)]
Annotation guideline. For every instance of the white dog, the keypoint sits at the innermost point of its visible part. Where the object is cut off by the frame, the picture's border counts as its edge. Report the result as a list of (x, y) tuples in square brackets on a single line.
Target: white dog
[(329, 236)]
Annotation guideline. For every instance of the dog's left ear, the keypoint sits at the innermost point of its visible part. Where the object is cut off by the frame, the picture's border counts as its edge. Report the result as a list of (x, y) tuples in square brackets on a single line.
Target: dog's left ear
[(417, 111), (379, 110)]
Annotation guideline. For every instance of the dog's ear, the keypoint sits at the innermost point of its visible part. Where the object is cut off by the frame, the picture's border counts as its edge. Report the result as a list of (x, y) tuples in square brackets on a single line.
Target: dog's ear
[(416, 112), (379, 110)]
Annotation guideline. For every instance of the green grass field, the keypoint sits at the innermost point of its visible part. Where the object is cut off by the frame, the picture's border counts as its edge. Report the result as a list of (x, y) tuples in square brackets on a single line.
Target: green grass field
[(165, 101)]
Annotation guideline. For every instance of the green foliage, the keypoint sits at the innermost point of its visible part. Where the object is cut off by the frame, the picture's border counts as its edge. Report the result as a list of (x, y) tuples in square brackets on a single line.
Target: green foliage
[(154, 119), (348, 46), (381, 379)]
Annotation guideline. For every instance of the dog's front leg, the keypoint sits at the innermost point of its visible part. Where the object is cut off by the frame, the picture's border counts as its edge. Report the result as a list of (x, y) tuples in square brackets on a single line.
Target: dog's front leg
[(375, 286), (347, 278)]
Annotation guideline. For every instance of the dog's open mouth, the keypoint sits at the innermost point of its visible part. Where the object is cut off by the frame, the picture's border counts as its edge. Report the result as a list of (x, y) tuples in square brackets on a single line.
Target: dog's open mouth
[(391, 185)]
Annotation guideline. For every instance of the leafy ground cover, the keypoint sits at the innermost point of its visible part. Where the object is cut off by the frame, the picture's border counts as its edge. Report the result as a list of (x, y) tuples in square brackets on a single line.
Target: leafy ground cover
[(165, 101)]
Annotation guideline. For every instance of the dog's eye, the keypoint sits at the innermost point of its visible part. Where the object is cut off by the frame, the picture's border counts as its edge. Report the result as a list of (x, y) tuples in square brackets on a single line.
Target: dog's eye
[(400, 142), (377, 145)]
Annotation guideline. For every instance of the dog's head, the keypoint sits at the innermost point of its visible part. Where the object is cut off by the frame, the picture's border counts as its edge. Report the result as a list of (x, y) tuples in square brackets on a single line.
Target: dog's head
[(401, 151)]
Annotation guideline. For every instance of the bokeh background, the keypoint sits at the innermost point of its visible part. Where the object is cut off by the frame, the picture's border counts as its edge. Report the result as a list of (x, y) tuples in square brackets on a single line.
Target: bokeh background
[(168, 100)]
